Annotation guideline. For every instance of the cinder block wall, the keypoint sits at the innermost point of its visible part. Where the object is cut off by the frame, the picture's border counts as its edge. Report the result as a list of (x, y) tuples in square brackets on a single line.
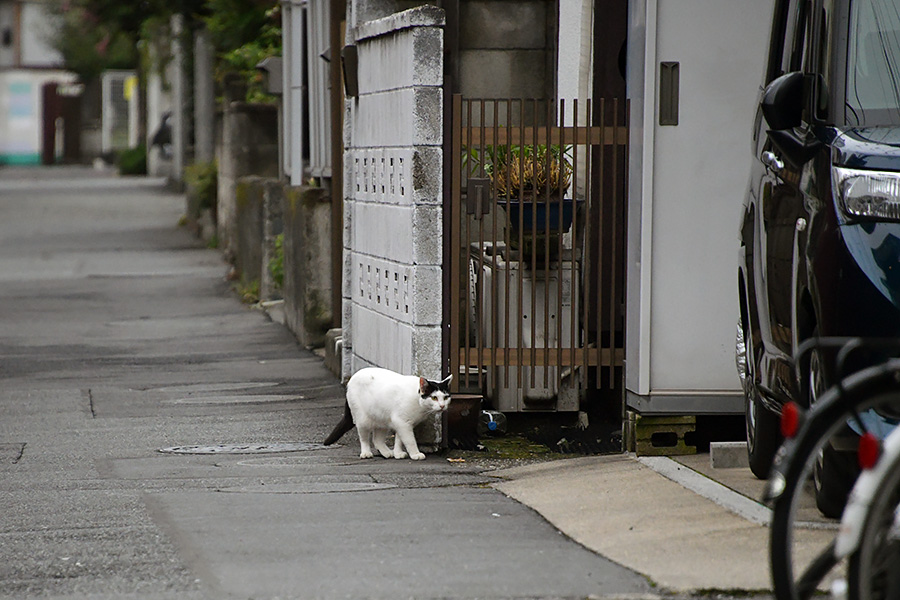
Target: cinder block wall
[(392, 293)]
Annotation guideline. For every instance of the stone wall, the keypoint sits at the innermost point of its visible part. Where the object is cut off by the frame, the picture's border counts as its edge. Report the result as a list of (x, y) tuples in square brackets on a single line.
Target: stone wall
[(307, 289), (258, 221), (247, 249), (393, 192), (266, 208), (249, 146)]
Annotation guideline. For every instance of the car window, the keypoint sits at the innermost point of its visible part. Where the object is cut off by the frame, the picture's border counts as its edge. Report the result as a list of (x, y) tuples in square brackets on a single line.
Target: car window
[(797, 57), (784, 9), (873, 63), (825, 62)]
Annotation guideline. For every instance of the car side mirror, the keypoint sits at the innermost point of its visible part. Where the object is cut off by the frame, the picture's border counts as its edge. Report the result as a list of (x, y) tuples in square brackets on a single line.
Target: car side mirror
[(782, 102)]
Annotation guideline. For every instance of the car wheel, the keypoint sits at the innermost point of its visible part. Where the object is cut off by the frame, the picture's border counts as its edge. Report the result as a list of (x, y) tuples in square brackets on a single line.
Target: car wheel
[(833, 477), (763, 435), (834, 472), (763, 427)]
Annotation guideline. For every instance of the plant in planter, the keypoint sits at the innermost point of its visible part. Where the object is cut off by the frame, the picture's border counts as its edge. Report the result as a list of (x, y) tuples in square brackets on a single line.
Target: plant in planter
[(531, 182), (520, 172)]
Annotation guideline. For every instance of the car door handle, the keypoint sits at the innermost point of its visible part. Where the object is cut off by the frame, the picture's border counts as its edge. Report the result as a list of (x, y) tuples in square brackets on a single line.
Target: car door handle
[(771, 160)]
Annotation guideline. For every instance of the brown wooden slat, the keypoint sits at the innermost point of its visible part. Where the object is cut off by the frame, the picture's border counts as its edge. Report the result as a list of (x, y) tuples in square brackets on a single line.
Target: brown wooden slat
[(594, 136), (595, 356)]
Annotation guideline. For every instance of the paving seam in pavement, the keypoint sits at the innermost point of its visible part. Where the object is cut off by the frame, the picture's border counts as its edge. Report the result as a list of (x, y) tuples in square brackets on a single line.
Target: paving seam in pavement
[(714, 491)]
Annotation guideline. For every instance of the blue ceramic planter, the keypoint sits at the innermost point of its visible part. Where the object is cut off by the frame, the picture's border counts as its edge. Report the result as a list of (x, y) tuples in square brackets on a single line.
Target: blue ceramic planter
[(540, 216)]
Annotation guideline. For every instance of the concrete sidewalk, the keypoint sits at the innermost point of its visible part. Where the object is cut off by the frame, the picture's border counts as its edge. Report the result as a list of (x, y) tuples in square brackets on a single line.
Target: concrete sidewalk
[(626, 511), (122, 342), (685, 526)]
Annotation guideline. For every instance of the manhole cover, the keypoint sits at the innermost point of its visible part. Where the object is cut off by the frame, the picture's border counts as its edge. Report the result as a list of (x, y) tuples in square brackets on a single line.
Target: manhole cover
[(245, 448)]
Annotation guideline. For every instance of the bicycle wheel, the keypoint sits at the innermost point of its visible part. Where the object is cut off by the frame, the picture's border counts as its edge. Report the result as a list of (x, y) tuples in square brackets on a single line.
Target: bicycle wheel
[(801, 545), (873, 570)]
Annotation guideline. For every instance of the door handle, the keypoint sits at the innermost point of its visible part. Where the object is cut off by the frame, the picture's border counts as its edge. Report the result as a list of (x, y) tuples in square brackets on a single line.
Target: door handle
[(771, 160)]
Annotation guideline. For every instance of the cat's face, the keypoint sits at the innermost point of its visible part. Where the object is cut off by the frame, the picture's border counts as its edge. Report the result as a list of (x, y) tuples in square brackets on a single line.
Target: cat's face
[(434, 395)]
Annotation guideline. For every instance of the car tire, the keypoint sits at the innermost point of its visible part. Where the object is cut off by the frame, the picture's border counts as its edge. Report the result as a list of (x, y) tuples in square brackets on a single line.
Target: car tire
[(834, 472), (763, 435), (763, 425), (833, 477)]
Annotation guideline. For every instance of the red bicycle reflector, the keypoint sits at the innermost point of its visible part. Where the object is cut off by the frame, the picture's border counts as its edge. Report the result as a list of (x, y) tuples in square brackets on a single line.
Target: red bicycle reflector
[(869, 450), (790, 419)]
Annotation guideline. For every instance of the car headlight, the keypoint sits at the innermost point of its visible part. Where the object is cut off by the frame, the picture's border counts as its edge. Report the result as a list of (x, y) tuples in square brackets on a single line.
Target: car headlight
[(867, 194)]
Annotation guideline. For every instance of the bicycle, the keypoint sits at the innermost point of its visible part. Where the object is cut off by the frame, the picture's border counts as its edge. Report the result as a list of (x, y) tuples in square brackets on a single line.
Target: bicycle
[(869, 536), (857, 403)]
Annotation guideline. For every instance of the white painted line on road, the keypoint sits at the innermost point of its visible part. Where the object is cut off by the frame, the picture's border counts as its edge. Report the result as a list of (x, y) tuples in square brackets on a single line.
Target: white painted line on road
[(711, 490)]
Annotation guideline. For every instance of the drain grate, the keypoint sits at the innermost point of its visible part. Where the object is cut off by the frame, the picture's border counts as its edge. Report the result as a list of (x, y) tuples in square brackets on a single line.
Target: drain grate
[(245, 448)]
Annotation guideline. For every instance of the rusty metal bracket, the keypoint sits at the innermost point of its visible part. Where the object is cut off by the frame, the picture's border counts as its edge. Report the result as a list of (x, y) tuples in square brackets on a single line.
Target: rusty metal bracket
[(478, 196)]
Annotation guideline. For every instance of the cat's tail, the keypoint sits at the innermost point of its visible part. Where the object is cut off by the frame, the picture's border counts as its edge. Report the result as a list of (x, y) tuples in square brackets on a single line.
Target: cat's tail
[(343, 427)]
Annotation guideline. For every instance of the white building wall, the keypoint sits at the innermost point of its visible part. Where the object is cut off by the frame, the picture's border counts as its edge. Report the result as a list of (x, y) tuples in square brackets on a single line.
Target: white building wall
[(393, 194), (574, 64), (21, 113), (686, 185)]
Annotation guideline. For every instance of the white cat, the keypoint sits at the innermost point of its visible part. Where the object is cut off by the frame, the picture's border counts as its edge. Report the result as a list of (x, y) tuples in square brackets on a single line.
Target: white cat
[(380, 401)]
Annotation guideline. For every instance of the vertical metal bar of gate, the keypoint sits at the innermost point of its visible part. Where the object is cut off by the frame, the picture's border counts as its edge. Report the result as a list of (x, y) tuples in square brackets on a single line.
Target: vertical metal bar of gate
[(508, 321), (455, 222), (601, 206)]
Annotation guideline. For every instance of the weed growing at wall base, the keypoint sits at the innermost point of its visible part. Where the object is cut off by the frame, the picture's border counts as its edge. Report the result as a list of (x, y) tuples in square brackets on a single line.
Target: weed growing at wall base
[(276, 264), (248, 291)]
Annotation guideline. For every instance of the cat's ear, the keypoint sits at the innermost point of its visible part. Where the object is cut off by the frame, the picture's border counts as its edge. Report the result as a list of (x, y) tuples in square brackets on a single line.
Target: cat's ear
[(424, 387), (445, 383)]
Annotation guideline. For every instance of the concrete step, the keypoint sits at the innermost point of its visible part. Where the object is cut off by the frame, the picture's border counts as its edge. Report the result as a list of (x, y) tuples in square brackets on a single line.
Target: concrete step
[(728, 455)]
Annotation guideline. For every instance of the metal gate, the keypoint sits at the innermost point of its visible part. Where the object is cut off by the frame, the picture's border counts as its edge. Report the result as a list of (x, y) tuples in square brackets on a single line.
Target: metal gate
[(537, 249)]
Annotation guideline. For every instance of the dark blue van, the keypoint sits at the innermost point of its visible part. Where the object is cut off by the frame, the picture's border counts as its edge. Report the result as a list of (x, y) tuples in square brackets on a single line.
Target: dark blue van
[(820, 229)]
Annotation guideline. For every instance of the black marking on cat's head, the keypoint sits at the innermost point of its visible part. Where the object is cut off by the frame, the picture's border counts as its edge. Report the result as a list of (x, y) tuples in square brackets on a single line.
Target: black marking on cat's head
[(428, 387), (434, 395)]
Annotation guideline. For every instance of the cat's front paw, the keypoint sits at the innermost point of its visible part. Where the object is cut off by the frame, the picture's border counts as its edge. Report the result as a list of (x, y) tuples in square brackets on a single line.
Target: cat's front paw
[(386, 453), (365, 454), (418, 456), (400, 454)]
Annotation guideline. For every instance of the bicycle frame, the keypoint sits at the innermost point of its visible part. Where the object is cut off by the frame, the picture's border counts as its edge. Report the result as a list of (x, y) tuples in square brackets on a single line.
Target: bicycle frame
[(852, 522)]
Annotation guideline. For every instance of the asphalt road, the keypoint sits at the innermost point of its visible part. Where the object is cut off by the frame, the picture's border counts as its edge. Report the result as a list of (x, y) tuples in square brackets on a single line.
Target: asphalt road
[(119, 338)]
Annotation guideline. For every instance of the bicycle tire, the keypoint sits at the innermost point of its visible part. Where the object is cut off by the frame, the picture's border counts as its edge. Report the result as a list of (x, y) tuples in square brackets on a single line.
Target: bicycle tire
[(872, 572), (793, 465)]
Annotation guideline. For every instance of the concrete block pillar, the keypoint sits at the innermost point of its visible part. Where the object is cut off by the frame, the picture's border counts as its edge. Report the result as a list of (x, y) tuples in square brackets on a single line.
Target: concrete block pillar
[(392, 291), (204, 98), (180, 117), (249, 147)]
